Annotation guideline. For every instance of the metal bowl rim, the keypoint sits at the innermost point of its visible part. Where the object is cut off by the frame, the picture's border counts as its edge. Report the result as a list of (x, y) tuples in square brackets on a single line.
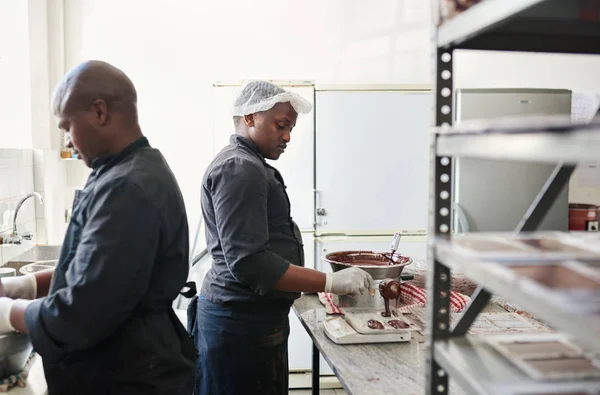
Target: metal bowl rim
[(401, 265)]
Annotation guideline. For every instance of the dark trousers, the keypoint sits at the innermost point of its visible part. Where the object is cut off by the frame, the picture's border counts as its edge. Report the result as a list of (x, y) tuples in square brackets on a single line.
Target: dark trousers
[(241, 352)]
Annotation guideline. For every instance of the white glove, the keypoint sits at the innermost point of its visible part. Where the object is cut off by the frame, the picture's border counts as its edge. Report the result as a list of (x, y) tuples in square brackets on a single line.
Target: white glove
[(5, 307), (21, 287), (348, 281)]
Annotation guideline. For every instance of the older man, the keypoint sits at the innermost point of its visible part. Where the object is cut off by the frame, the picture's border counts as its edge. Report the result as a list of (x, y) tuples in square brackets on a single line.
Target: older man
[(242, 312), (104, 324)]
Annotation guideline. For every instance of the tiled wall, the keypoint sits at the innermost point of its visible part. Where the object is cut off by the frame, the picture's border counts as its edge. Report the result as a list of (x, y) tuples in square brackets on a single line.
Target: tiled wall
[(38, 183), (16, 181), (77, 175)]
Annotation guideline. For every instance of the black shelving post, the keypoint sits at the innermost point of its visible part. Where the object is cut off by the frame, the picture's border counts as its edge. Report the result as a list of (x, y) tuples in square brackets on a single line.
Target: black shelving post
[(438, 287)]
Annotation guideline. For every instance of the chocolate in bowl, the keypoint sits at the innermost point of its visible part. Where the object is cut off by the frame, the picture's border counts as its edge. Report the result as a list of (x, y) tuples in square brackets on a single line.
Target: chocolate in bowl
[(375, 263)]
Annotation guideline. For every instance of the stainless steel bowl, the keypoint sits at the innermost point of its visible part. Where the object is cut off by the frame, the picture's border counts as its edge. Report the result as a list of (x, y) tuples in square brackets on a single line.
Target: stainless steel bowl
[(374, 263), (15, 349), (38, 266)]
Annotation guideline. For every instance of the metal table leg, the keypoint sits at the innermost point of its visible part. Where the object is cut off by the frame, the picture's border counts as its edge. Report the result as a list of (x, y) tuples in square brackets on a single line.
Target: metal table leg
[(316, 370)]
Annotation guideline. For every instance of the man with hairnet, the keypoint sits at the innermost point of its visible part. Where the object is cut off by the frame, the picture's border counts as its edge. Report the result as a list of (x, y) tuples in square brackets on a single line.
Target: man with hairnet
[(257, 271), (102, 320)]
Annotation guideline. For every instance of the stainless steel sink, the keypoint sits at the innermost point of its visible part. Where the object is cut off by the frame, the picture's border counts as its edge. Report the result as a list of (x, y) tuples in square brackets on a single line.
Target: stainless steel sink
[(15, 349), (38, 267), (36, 254)]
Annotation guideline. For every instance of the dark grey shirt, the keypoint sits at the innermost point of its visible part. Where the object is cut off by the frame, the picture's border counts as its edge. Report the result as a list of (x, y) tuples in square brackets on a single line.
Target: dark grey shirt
[(123, 261), (249, 231)]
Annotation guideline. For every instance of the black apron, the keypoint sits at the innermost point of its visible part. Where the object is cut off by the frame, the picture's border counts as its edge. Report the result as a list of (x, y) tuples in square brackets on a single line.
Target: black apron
[(150, 354)]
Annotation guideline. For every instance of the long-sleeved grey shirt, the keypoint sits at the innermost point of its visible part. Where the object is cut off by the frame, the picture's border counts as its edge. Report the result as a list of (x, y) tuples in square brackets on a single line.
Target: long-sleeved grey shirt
[(108, 314), (249, 230)]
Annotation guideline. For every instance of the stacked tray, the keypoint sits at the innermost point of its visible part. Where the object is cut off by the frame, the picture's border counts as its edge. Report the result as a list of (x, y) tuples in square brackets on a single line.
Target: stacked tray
[(554, 275)]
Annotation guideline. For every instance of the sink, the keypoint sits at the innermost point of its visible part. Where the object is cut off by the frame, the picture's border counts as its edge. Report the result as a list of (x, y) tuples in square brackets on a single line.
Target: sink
[(42, 254), (37, 266), (15, 349), (38, 253)]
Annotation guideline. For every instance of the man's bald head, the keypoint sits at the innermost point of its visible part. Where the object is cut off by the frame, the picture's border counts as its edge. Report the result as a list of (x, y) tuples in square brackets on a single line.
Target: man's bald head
[(93, 80), (96, 106)]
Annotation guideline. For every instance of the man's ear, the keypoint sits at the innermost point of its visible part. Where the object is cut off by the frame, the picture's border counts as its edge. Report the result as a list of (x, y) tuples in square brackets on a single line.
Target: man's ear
[(100, 110), (249, 119)]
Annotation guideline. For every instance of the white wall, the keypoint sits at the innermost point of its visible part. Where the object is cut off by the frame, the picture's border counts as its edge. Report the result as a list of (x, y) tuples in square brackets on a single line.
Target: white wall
[(45, 21), (16, 176), (483, 69), (174, 50), (15, 113), (30, 61)]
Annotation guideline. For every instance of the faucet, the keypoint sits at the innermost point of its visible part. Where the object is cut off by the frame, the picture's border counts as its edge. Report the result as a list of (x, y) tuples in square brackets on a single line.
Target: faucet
[(14, 237)]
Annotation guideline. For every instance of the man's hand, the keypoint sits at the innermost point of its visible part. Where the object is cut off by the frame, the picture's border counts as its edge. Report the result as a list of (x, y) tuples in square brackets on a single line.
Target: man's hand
[(349, 281), (5, 309), (21, 287)]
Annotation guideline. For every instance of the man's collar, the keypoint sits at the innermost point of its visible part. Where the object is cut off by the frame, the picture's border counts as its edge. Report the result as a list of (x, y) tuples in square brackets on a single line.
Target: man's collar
[(240, 140), (140, 143)]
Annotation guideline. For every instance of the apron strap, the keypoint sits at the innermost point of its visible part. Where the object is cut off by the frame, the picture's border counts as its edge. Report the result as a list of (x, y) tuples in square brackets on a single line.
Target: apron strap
[(191, 291)]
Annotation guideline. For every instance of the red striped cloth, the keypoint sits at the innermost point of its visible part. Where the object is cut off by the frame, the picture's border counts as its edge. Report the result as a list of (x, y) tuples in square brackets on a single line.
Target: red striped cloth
[(327, 299), (411, 296)]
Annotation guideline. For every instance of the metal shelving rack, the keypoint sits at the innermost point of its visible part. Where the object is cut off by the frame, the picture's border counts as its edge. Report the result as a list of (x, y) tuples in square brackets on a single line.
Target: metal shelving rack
[(510, 25)]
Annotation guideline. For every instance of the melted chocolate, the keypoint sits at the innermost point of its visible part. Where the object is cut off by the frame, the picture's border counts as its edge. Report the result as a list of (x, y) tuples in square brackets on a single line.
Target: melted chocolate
[(374, 324), (366, 258), (389, 289), (387, 312), (391, 261), (398, 324)]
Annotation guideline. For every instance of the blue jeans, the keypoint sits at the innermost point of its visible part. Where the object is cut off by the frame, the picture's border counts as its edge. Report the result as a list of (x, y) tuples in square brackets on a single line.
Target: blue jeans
[(241, 352)]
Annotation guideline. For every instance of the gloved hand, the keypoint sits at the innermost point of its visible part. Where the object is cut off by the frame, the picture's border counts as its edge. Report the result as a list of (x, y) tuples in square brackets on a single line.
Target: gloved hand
[(348, 281), (22, 287), (5, 307)]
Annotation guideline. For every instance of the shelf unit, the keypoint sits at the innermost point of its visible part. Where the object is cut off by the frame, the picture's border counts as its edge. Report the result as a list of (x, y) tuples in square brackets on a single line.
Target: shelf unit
[(558, 26), (476, 367), (566, 311)]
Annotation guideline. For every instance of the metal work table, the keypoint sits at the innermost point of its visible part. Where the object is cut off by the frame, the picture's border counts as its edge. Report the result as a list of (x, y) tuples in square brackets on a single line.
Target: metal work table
[(364, 368)]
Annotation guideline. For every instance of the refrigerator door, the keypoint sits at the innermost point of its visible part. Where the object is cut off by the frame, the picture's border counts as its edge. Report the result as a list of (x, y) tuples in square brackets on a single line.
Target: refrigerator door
[(372, 154), (296, 165), (494, 195)]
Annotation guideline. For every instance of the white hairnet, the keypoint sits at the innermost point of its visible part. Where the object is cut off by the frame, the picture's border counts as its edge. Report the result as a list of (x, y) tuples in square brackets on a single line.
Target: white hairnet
[(257, 96)]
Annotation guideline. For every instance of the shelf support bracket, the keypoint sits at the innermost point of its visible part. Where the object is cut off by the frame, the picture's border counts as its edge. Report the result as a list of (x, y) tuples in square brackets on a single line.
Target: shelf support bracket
[(479, 300), (543, 201)]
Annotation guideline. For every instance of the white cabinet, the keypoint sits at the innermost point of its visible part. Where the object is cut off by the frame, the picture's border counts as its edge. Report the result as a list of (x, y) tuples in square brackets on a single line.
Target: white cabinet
[(296, 165), (223, 97), (300, 349), (308, 239), (372, 161), (300, 344)]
